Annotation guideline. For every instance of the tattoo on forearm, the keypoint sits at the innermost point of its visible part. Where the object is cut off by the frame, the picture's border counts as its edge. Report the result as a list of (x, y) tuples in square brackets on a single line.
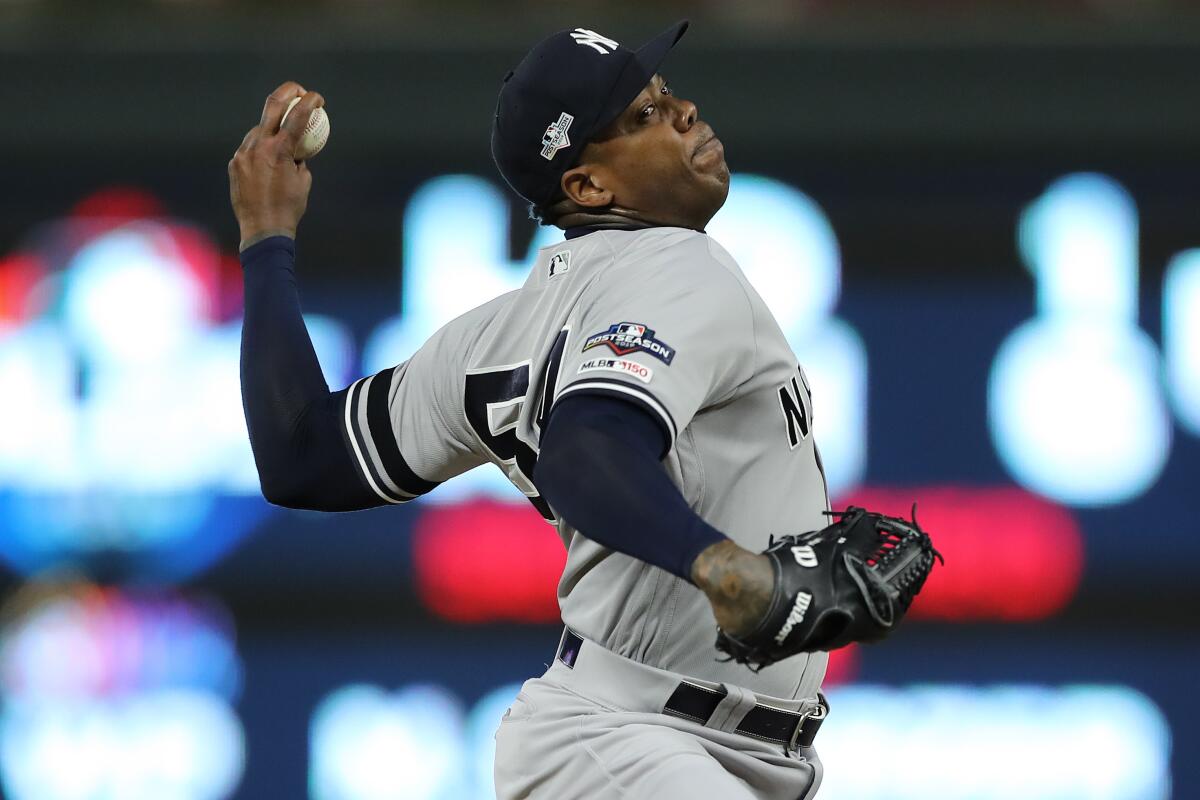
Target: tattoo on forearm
[(738, 583)]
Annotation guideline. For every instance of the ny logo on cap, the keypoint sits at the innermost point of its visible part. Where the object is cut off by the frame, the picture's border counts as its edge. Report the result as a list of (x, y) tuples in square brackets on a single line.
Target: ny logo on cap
[(555, 137), (594, 40)]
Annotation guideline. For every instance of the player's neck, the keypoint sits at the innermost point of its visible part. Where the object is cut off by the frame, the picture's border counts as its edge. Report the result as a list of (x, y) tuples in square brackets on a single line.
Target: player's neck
[(581, 224), (575, 231)]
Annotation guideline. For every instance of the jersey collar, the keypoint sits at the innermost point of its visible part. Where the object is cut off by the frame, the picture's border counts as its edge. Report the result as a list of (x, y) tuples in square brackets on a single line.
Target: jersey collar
[(583, 230)]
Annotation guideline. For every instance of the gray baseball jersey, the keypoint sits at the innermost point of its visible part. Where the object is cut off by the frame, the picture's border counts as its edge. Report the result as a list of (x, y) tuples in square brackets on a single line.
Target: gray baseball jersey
[(661, 317)]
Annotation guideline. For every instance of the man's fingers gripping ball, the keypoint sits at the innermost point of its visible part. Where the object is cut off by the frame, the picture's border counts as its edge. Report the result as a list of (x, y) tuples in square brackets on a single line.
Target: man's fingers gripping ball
[(276, 105), (852, 581), (308, 132), (268, 181)]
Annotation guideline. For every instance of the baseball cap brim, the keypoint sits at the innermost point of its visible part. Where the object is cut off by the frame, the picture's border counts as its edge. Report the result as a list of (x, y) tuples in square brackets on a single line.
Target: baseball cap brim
[(638, 72)]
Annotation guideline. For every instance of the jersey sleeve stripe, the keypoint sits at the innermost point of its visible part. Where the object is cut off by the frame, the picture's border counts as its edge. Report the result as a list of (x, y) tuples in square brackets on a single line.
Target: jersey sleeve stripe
[(391, 461), (626, 392), (369, 438), (358, 445)]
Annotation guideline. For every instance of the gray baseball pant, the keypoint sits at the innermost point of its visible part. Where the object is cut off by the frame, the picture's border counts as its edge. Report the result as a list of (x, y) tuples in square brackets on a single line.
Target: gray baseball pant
[(596, 731)]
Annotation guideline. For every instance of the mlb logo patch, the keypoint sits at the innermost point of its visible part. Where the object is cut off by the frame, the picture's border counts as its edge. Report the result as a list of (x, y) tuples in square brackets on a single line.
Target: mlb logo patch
[(631, 329), (560, 263)]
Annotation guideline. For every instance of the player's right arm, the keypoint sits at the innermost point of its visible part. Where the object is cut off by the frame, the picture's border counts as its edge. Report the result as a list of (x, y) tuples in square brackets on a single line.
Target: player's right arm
[(316, 449)]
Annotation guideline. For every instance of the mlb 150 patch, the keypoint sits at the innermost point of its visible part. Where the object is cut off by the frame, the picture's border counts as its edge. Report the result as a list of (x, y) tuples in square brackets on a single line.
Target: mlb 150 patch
[(631, 337), (622, 365)]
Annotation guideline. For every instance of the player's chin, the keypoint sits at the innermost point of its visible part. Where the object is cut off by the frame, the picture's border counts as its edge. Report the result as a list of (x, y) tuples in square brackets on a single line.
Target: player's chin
[(708, 194), (715, 179)]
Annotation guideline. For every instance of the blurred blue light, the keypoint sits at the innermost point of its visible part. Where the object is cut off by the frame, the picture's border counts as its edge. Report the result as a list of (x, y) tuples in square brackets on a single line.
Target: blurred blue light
[(224, 462), (450, 268), (1080, 241), (786, 245), (1035, 743), (367, 744), (180, 744), (1077, 413), (127, 300), (111, 696), (1181, 336), (1075, 399), (334, 346), (121, 419), (39, 424)]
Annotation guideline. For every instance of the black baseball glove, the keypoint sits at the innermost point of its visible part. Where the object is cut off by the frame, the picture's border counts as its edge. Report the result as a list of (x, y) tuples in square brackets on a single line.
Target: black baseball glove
[(850, 582)]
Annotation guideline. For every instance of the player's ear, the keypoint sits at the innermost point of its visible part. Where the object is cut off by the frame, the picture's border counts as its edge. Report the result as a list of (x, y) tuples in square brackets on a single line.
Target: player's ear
[(582, 188)]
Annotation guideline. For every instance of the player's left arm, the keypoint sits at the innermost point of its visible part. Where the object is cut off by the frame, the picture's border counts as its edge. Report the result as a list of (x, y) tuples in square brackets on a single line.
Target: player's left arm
[(682, 338), (601, 468)]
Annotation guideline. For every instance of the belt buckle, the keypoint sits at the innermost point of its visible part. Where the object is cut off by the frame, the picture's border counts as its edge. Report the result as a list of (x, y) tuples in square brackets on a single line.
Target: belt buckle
[(817, 711)]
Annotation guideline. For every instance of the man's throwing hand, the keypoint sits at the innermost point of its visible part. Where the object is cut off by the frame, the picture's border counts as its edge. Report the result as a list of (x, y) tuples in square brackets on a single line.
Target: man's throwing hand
[(267, 186)]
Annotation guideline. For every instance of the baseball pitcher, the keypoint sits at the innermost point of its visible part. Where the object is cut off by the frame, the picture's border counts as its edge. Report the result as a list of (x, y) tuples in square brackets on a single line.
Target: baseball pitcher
[(638, 391)]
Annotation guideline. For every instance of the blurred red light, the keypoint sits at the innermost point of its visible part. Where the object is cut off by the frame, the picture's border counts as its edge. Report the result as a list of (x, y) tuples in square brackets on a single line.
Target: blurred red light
[(19, 275), (1010, 555), (843, 666), (484, 561), (118, 204)]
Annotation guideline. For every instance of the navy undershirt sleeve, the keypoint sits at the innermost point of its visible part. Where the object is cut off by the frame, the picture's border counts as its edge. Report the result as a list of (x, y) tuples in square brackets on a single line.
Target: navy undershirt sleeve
[(600, 468), (294, 421)]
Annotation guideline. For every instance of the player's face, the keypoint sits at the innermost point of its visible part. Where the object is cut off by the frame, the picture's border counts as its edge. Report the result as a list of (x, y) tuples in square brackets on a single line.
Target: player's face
[(660, 160)]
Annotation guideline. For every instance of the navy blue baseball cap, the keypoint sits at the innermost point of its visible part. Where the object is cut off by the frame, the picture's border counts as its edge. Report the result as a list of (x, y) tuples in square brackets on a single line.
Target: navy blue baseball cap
[(568, 88)]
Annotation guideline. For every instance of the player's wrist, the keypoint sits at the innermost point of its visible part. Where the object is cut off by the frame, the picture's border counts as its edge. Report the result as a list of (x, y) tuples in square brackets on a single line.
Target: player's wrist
[(738, 583), (252, 236)]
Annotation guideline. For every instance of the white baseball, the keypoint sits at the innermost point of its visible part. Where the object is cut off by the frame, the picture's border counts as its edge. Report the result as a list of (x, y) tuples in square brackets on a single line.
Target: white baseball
[(315, 134)]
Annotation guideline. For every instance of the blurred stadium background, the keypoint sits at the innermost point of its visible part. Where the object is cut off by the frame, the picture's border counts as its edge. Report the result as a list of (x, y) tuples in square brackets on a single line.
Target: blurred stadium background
[(977, 222)]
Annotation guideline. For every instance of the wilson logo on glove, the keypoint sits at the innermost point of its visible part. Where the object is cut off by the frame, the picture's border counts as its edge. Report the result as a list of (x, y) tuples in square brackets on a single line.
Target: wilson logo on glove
[(803, 600), (805, 555)]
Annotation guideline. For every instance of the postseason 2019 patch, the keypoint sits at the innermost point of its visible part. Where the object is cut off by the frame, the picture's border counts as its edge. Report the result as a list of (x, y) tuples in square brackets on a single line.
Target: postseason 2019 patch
[(631, 337), (621, 365)]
